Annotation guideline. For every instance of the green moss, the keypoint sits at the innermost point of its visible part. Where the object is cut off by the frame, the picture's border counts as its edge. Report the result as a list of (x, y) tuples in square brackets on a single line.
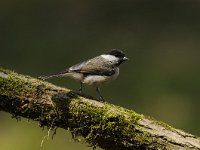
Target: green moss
[(13, 86), (16, 85), (25, 88), (7, 71), (108, 123), (98, 123)]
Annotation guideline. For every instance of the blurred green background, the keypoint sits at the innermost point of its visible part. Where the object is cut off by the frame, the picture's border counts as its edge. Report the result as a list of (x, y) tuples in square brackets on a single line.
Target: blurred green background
[(161, 39)]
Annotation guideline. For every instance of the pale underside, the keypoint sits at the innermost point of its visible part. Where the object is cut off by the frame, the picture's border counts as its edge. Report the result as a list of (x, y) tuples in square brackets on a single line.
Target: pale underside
[(93, 80)]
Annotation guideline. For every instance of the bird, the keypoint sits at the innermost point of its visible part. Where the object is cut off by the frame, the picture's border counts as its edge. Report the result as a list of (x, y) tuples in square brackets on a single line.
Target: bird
[(95, 71)]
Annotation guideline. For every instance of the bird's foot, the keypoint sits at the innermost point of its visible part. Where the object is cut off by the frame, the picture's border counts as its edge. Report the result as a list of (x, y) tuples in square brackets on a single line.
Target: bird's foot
[(80, 91), (101, 99)]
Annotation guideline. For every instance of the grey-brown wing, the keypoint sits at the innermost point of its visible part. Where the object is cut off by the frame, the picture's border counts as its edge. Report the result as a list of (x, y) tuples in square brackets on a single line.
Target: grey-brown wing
[(95, 66)]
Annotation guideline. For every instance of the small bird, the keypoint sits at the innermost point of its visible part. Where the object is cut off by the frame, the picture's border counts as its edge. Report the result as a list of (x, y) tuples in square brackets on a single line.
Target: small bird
[(96, 71)]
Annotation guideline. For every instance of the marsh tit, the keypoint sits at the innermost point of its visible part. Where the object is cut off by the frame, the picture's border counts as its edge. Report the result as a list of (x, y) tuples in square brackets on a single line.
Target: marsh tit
[(96, 71)]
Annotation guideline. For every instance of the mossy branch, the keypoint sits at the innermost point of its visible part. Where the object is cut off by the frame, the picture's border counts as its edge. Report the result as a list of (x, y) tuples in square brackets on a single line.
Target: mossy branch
[(99, 124)]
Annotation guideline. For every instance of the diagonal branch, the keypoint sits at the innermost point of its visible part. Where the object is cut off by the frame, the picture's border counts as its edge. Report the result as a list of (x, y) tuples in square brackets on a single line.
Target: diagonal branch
[(99, 124)]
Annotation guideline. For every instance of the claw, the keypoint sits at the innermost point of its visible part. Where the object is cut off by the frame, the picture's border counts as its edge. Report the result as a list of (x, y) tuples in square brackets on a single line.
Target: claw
[(81, 88)]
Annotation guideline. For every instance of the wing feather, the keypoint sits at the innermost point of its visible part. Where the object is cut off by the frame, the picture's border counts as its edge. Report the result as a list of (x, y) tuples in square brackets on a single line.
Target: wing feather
[(95, 66)]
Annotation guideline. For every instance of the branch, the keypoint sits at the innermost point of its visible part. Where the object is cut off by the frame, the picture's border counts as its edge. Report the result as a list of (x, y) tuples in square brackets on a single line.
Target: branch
[(99, 124)]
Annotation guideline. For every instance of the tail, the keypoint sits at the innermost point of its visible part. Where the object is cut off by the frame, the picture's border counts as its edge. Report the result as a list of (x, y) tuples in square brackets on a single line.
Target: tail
[(61, 74), (44, 77)]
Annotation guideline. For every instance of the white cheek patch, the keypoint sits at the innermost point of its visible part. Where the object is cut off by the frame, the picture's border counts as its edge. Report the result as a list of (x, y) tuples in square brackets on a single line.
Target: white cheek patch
[(109, 57)]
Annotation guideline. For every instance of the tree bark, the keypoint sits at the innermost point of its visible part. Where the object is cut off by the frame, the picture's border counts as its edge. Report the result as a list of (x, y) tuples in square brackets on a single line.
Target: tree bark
[(100, 124)]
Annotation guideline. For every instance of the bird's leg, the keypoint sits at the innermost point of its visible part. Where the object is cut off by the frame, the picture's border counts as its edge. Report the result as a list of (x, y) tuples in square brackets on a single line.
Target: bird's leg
[(98, 91), (81, 87)]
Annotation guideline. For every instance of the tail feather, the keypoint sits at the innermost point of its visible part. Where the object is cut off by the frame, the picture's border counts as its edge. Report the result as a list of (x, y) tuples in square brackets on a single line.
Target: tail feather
[(44, 77)]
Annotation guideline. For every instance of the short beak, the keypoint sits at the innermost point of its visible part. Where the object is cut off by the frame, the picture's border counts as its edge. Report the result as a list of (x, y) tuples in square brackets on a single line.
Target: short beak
[(125, 59)]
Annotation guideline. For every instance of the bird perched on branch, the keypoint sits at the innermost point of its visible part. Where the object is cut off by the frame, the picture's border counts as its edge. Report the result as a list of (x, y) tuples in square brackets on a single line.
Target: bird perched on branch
[(96, 71)]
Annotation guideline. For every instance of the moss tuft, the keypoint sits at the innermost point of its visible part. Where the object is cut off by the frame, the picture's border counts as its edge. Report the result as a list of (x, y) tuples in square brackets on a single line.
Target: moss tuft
[(102, 125)]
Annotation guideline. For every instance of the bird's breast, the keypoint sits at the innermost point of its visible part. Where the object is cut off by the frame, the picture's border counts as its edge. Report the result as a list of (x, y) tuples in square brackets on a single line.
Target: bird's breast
[(98, 80)]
